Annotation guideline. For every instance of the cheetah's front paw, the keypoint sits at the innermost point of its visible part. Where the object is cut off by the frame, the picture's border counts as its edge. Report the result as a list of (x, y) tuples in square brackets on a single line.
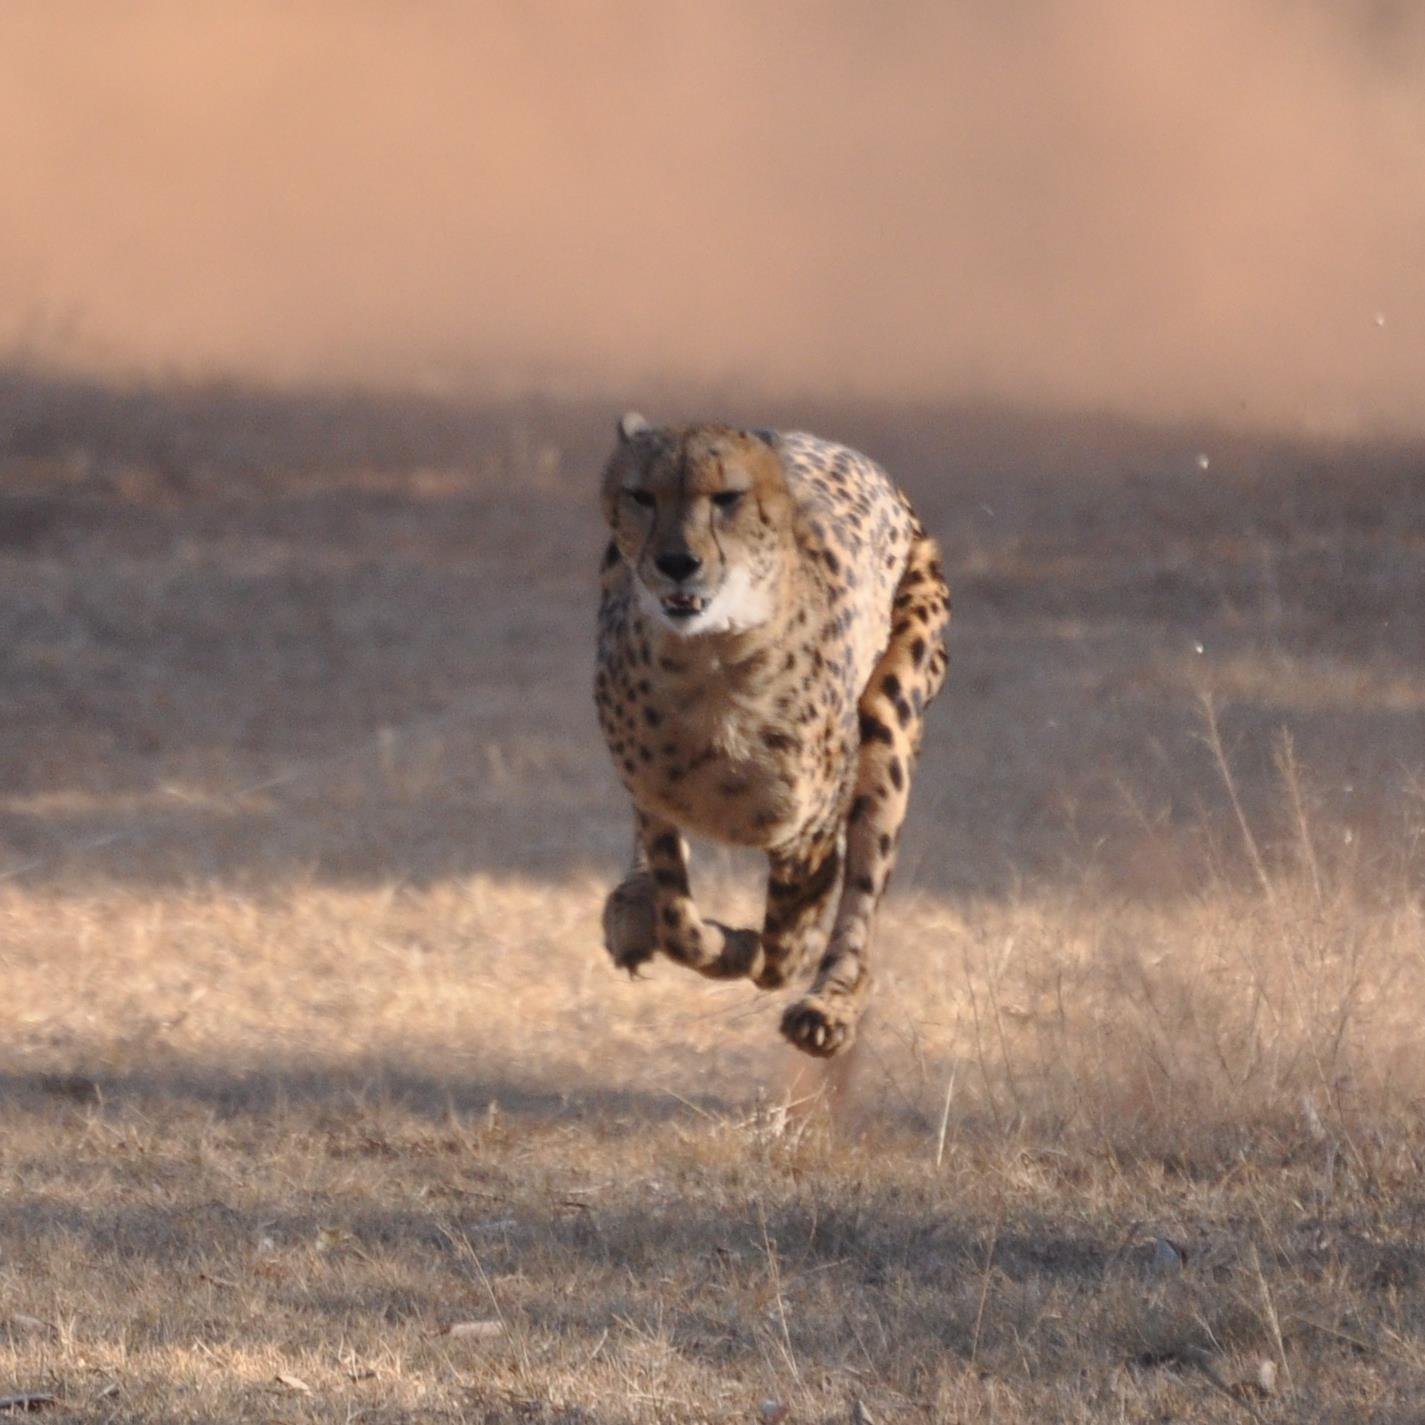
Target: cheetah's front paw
[(630, 931), (821, 1024)]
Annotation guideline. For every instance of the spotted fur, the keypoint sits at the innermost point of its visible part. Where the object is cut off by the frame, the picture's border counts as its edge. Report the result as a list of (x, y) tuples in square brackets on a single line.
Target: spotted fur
[(770, 636)]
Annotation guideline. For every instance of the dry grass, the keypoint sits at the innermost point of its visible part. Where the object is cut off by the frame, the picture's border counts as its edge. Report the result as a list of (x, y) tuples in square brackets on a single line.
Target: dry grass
[(310, 1052)]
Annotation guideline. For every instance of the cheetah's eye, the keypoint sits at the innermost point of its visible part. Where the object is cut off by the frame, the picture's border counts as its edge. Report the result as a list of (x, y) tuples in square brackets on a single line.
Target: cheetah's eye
[(728, 499), (640, 497)]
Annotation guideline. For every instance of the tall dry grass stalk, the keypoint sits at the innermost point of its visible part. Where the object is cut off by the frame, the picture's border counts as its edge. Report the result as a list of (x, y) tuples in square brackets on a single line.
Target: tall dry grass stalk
[(1290, 997)]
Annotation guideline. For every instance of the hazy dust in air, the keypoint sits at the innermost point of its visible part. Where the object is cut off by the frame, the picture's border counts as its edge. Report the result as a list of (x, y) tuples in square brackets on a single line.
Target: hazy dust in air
[(1214, 208)]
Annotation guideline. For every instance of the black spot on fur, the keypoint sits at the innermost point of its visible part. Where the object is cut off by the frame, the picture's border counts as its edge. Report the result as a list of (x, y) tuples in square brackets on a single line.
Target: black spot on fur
[(874, 730), (671, 879), (816, 886)]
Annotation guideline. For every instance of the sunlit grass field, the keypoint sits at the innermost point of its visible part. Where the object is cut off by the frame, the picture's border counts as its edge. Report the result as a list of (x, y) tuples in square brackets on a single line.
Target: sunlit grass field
[(321, 1102)]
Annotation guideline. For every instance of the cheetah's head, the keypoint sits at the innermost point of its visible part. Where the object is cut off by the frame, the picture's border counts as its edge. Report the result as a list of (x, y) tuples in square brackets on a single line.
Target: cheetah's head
[(702, 517)]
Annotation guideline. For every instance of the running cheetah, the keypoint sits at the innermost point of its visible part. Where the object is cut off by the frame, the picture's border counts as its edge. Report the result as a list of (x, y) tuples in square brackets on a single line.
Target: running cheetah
[(770, 635)]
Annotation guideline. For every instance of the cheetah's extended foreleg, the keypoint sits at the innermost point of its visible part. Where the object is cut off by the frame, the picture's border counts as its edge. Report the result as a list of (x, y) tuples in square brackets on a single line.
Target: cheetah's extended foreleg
[(653, 910), (908, 676)]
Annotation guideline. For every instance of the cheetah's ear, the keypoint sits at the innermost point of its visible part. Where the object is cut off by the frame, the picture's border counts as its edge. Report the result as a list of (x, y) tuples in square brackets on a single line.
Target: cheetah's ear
[(631, 426)]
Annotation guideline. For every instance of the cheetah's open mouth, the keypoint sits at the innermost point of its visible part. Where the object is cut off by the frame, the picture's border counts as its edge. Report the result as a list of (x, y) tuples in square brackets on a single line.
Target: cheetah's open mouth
[(683, 605)]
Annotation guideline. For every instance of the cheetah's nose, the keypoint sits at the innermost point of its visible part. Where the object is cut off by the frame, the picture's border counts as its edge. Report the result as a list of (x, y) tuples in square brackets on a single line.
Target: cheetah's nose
[(678, 566)]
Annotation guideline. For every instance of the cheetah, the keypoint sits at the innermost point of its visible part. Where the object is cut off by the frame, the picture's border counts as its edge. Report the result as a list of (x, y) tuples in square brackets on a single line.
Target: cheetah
[(770, 635)]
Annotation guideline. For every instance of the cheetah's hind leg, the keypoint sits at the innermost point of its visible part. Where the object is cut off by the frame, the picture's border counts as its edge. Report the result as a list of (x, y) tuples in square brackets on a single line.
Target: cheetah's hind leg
[(908, 676), (822, 1025)]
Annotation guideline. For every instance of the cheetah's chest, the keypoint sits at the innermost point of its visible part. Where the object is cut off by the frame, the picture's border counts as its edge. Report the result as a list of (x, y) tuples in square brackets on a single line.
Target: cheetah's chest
[(732, 753)]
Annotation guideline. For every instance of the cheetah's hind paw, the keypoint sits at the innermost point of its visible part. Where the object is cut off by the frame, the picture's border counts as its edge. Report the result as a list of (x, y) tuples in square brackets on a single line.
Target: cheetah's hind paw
[(630, 932), (822, 1025)]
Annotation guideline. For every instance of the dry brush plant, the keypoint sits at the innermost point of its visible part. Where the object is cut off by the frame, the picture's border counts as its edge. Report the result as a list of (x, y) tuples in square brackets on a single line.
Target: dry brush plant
[(1282, 991)]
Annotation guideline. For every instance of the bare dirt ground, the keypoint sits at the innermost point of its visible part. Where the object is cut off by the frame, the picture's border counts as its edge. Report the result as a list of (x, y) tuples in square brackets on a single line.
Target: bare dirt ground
[(319, 1102)]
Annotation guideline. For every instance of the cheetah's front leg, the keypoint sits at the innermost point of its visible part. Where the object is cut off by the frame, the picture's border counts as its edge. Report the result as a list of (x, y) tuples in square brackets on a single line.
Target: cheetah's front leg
[(653, 910), (802, 881)]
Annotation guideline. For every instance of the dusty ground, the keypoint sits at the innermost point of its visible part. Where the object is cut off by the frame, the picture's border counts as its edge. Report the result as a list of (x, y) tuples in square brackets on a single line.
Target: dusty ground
[(310, 1055)]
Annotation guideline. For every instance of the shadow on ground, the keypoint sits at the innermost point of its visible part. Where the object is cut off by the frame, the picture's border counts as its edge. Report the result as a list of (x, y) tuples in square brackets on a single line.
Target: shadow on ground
[(252, 636), (355, 1087), (333, 1213), (603, 1206)]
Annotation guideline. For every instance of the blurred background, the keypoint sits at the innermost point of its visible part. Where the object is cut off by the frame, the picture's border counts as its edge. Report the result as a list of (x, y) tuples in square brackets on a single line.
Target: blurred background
[(315, 322), (1213, 209)]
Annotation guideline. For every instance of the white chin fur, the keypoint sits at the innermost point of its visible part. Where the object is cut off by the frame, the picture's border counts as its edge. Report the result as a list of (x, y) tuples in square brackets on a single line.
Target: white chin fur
[(736, 607)]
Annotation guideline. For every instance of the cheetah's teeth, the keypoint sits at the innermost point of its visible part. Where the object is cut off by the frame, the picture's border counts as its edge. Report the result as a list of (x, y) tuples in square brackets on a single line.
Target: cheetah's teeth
[(684, 605)]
